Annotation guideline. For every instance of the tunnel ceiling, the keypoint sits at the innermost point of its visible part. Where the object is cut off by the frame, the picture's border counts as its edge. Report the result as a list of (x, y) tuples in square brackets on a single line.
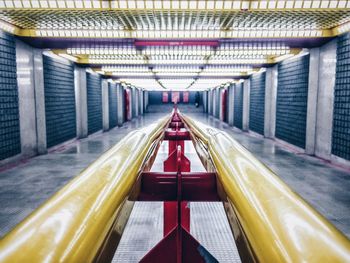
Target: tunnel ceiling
[(176, 44)]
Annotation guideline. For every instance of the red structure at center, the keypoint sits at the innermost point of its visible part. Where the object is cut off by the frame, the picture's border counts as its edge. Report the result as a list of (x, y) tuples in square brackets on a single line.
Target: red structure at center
[(176, 186)]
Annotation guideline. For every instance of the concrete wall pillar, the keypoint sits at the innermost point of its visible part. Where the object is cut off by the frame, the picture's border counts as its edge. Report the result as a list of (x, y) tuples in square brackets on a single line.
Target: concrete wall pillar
[(205, 101), (105, 105), (210, 102), (213, 101), (246, 105), (270, 101), (145, 99), (30, 81), (220, 113), (230, 105), (133, 102), (312, 101), (81, 101), (325, 99), (141, 101), (40, 101), (137, 102), (120, 109), (216, 103)]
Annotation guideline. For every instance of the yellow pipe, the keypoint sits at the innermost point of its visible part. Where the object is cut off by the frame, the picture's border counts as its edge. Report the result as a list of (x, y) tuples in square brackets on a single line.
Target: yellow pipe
[(72, 225), (278, 224)]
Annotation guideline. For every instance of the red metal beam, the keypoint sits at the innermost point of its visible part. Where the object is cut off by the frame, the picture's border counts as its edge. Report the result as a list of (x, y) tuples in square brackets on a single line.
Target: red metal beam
[(139, 43), (162, 186)]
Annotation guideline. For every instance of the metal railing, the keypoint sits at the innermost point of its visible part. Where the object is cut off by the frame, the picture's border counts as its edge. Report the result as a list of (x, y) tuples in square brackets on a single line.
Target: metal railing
[(75, 223), (274, 222)]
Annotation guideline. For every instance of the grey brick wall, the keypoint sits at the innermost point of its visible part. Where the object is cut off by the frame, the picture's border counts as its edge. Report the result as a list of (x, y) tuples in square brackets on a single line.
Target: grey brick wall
[(94, 101), (257, 103), (238, 105), (341, 113), (59, 101), (293, 77), (113, 105), (9, 113)]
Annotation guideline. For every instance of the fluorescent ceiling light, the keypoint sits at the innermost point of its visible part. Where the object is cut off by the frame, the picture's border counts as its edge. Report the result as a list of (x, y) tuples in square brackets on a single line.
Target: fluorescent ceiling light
[(174, 34), (177, 5), (126, 74), (177, 74)]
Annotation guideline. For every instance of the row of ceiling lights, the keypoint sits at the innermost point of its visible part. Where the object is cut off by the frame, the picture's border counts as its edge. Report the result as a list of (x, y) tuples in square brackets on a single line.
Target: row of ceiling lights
[(165, 34), (176, 69), (180, 62), (174, 4), (229, 50), (160, 57)]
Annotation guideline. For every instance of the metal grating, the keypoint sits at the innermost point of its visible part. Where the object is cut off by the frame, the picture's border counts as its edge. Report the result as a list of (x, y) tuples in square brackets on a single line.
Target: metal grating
[(59, 101), (9, 113), (210, 227), (157, 19), (341, 114), (238, 105), (113, 105), (142, 232), (257, 103), (292, 90), (94, 102)]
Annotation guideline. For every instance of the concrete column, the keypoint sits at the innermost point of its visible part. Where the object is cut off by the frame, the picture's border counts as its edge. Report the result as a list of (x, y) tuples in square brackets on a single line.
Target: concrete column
[(325, 99), (210, 99), (30, 80), (120, 109), (40, 101), (80, 87), (230, 104), (220, 113), (312, 101), (270, 101), (218, 105), (246, 104), (205, 101), (133, 102), (141, 102), (214, 102), (145, 99), (105, 105), (137, 93)]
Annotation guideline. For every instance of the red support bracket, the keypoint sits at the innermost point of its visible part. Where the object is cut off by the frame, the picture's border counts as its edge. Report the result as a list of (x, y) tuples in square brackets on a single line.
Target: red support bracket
[(176, 135), (163, 187), (170, 164), (176, 188)]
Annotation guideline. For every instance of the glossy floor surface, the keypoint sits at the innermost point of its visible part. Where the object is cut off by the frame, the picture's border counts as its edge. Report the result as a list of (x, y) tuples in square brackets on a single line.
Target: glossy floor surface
[(24, 186)]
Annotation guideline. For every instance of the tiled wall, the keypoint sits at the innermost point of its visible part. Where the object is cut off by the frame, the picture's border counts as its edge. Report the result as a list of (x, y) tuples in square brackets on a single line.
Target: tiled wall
[(238, 105), (9, 113), (341, 113), (113, 105), (94, 102), (257, 103), (59, 101), (293, 76), (155, 97)]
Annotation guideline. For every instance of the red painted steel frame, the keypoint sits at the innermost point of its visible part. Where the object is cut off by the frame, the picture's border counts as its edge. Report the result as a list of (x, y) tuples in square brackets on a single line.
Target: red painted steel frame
[(140, 43), (176, 187)]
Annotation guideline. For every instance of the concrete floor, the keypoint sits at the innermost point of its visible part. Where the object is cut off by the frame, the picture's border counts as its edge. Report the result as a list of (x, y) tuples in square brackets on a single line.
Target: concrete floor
[(27, 185)]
